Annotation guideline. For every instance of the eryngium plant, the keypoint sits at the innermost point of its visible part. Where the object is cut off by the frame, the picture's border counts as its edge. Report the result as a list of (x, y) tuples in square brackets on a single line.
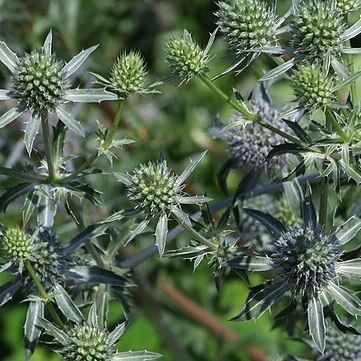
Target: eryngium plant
[(308, 265), (87, 340), (41, 84), (157, 193)]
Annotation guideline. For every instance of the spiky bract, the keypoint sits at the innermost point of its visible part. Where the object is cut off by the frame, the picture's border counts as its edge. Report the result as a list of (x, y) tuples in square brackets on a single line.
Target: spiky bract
[(312, 87), (306, 258), (87, 343), (128, 74), (153, 188), (317, 28), (246, 24), (185, 57), (38, 82)]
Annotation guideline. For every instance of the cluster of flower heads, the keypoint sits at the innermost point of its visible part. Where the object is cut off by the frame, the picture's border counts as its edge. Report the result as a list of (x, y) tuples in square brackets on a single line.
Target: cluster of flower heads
[(41, 248)]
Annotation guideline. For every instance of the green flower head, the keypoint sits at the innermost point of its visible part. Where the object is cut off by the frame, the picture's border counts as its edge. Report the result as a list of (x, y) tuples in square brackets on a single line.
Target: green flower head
[(41, 84), (346, 6), (185, 57), (312, 87), (128, 74), (156, 192), (246, 24)]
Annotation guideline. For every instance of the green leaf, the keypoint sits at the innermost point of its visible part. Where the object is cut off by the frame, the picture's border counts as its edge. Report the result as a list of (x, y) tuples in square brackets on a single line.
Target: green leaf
[(69, 121), (135, 356), (351, 268), (274, 226), (47, 206), (77, 61), (193, 200), (29, 206), (286, 148), (8, 58), (14, 193), (308, 209), (89, 95), (279, 70), (66, 305), (9, 116), (4, 94), (93, 315), (251, 263), (161, 233), (193, 162), (262, 301), (316, 323), (32, 328), (48, 43), (124, 178), (5, 266), (138, 230), (348, 230), (83, 191), (117, 216), (345, 299), (52, 330), (8, 290), (351, 172), (301, 134), (353, 31), (116, 333), (349, 80), (94, 274)]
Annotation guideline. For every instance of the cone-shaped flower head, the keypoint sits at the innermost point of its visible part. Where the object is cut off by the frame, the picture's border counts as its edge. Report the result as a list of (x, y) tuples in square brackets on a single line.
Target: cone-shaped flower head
[(341, 346), (41, 248), (128, 74), (87, 343), (185, 57), (38, 82), (306, 258), (246, 24), (312, 87), (154, 188), (346, 6), (317, 28)]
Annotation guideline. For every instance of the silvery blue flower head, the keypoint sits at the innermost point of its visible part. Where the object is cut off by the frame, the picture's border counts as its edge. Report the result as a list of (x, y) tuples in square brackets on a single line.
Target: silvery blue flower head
[(308, 266), (41, 84)]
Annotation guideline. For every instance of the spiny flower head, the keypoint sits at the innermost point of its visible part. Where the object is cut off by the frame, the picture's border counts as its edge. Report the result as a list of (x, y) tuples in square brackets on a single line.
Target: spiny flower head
[(317, 28), (306, 258), (312, 87), (246, 24), (87, 343), (250, 144), (346, 6), (154, 188), (341, 346), (185, 57), (40, 248), (128, 74), (38, 82)]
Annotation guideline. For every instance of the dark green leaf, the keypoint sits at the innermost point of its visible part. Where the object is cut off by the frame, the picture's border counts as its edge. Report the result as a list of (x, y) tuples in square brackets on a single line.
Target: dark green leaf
[(251, 263), (316, 323), (13, 193)]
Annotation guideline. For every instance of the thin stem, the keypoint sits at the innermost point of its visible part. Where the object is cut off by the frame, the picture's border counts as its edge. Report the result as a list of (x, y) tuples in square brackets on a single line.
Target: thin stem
[(88, 162), (48, 149), (44, 295), (115, 124), (336, 126), (195, 234), (244, 111)]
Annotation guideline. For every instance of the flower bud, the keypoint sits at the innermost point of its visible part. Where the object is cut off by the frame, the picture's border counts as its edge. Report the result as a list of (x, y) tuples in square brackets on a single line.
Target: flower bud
[(128, 74), (185, 57), (312, 87), (16, 245), (317, 28), (346, 6), (246, 24)]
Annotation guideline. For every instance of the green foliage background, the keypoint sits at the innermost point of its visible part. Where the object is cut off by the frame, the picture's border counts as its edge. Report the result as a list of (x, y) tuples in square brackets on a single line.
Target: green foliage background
[(176, 122)]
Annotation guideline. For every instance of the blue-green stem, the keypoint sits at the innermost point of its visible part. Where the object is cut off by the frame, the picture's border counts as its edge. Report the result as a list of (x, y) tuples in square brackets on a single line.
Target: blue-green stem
[(48, 148), (44, 295), (244, 111)]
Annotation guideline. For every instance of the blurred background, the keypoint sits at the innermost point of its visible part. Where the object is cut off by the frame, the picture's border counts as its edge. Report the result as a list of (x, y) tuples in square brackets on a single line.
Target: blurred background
[(176, 312)]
